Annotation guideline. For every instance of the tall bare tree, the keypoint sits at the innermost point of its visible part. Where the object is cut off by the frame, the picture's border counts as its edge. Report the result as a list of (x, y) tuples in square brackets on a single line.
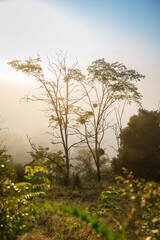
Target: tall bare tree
[(60, 93), (106, 84)]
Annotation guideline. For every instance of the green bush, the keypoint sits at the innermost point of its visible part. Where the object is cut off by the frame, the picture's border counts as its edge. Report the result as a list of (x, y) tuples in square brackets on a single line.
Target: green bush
[(17, 214), (71, 224), (53, 161), (144, 205), (110, 200)]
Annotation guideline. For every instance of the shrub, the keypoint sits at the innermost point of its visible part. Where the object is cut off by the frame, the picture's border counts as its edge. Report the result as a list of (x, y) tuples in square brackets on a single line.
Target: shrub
[(17, 214), (110, 200), (71, 224), (144, 205), (53, 161)]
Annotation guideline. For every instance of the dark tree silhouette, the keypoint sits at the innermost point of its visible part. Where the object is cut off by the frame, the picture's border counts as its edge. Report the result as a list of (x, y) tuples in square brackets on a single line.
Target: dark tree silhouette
[(140, 146)]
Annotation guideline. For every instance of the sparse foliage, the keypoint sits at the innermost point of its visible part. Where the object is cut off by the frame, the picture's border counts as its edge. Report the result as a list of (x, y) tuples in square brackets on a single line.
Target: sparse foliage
[(53, 161), (144, 205), (60, 95), (85, 166), (106, 85)]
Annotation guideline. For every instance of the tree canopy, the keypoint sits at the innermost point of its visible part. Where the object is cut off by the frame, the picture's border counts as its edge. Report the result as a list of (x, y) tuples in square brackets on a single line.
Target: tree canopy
[(140, 146), (107, 84)]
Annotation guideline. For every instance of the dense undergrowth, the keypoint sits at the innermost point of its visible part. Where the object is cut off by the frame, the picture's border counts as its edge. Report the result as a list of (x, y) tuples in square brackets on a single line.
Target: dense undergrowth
[(17, 212), (126, 209)]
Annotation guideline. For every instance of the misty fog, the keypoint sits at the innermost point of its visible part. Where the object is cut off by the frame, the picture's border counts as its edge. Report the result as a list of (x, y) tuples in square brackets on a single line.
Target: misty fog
[(87, 35), (20, 119)]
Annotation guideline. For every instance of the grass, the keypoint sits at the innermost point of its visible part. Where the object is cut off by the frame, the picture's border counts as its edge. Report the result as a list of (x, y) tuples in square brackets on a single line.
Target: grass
[(107, 207), (51, 225)]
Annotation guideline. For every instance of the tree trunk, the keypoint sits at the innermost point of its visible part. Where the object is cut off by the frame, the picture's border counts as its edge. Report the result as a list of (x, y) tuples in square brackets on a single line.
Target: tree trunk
[(66, 134), (67, 169), (98, 172)]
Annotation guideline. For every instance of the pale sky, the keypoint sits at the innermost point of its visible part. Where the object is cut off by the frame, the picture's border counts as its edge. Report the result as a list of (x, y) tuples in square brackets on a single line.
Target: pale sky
[(127, 31)]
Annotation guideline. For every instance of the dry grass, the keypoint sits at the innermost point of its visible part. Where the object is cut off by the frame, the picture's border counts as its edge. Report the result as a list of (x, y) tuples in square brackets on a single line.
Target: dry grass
[(54, 226)]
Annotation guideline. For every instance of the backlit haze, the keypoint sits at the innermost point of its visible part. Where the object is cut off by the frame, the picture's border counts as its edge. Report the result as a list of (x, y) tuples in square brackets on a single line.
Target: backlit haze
[(127, 31)]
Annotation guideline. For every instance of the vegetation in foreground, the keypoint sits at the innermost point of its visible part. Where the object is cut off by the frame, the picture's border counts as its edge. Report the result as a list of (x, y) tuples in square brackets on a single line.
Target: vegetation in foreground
[(128, 209), (131, 209)]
